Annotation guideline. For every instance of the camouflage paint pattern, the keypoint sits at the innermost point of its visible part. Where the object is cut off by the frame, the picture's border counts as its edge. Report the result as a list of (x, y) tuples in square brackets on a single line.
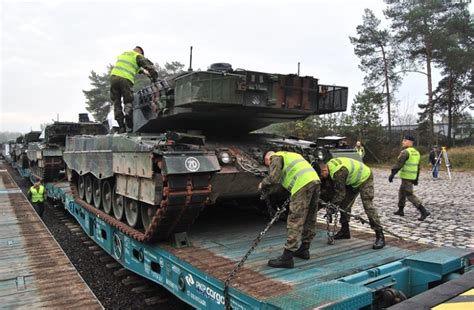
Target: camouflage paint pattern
[(301, 221), (406, 192)]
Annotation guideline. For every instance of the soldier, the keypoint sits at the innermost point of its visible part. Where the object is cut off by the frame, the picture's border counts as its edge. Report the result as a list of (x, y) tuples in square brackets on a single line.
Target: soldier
[(360, 149), (37, 195), (299, 178), (351, 177), (122, 79), (435, 161), (408, 164)]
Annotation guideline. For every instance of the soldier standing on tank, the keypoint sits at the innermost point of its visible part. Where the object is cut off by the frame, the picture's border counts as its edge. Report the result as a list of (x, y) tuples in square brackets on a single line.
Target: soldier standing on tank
[(37, 195), (351, 177), (298, 177), (122, 79), (408, 164)]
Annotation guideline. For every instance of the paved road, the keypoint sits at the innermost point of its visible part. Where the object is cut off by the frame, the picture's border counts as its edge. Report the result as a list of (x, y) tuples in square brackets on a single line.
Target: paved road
[(451, 203)]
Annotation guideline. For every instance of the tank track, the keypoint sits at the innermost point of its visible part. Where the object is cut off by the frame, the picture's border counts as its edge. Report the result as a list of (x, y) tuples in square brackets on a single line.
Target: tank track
[(51, 170), (184, 196)]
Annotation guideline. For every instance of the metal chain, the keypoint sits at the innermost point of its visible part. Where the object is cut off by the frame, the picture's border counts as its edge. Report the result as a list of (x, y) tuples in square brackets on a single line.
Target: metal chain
[(248, 166), (335, 208), (257, 240), (329, 218)]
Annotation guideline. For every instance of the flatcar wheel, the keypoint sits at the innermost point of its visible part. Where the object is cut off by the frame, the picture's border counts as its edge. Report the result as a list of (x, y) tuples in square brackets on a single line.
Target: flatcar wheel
[(132, 212), (107, 196), (96, 192), (81, 187), (118, 204), (147, 213), (88, 189)]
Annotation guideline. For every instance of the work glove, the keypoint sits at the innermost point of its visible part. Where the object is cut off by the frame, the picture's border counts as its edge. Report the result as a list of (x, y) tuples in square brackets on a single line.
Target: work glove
[(390, 178)]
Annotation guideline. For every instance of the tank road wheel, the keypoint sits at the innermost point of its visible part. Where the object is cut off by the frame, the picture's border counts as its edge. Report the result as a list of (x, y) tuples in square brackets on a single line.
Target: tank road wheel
[(88, 189), (147, 213), (107, 196), (118, 203), (96, 192), (81, 187), (132, 212)]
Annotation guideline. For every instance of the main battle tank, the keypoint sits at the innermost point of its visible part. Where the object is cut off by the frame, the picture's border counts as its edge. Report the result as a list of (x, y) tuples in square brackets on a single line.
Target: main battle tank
[(191, 146), (45, 157), (21, 147)]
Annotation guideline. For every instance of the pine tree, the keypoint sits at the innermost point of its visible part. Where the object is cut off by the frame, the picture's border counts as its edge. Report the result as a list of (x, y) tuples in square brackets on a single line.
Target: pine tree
[(378, 59), (417, 30)]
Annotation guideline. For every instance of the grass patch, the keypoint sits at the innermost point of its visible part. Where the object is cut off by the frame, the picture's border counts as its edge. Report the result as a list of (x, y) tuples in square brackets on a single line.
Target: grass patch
[(461, 158)]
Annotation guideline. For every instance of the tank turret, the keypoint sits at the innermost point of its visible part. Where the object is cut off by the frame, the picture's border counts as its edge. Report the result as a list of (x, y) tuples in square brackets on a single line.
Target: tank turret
[(45, 157), (236, 102)]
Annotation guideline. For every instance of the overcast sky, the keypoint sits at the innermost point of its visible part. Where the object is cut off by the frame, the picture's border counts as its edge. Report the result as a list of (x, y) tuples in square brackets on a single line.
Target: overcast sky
[(48, 48)]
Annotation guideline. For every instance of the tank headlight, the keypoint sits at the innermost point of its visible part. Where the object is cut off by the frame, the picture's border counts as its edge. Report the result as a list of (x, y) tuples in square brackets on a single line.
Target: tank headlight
[(320, 155), (224, 158)]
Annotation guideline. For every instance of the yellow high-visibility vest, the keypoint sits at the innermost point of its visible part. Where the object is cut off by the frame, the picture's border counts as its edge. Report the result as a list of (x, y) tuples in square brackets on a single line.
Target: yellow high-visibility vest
[(409, 170), (358, 172), (126, 66), (37, 195), (296, 172)]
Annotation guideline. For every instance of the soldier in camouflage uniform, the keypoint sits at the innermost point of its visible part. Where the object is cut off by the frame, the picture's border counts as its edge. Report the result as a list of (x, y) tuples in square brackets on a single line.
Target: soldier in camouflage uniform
[(122, 78), (351, 177), (297, 176), (408, 164)]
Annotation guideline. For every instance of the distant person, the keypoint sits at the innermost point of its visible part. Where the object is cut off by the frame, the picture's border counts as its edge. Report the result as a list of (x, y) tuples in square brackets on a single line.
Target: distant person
[(435, 161), (299, 178), (37, 196), (360, 149), (408, 164), (122, 79), (350, 178)]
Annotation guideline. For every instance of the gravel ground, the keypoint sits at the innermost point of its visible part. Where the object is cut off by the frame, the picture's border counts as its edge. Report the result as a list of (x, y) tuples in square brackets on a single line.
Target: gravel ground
[(451, 203), (108, 288)]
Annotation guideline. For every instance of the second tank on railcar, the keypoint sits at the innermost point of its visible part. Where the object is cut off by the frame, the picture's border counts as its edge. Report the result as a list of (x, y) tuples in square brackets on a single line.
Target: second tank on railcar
[(45, 157)]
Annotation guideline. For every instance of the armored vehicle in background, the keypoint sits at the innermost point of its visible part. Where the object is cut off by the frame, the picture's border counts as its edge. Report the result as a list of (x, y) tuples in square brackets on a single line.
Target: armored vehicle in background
[(336, 146), (21, 158), (15, 148), (192, 146), (45, 157)]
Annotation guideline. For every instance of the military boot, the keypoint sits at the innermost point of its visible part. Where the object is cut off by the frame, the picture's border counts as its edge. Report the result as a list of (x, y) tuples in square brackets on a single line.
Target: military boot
[(303, 251), (122, 127), (399, 212), (283, 261), (424, 213), (129, 122), (344, 232), (379, 240)]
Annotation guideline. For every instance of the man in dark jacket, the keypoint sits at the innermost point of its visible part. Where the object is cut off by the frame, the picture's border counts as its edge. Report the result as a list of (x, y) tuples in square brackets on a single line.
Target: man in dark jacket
[(435, 161), (408, 164), (122, 78)]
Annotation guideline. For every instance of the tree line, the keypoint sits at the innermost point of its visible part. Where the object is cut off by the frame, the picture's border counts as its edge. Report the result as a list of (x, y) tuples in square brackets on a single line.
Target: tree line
[(422, 35)]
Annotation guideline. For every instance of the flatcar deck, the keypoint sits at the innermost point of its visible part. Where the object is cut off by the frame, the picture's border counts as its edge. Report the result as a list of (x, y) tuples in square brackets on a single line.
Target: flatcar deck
[(34, 271)]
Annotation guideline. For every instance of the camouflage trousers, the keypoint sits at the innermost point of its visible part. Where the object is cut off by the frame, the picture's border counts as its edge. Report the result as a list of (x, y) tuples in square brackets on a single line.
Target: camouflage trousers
[(406, 192), (121, 88), (301, 221), (366, 191)]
